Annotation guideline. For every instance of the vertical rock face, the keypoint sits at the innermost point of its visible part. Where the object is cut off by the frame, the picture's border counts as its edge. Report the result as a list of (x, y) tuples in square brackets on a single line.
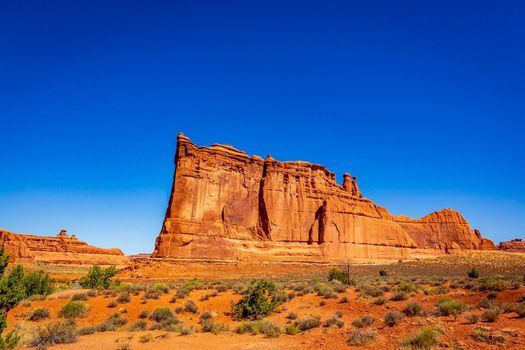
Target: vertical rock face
[(60, 249), (225, 204)]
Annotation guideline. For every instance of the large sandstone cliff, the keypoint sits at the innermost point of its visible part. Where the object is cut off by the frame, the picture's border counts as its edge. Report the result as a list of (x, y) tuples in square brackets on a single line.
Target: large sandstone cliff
[(227, 205), (62, 249), (513, 246)]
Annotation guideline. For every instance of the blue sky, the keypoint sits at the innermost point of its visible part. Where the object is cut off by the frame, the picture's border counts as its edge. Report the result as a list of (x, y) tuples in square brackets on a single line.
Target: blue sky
[(424, 101)]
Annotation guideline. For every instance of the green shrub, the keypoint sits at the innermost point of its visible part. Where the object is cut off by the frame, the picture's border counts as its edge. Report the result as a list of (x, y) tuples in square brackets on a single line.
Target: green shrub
[(10, 340), (363, 322), (451, 307), (54, 333), (490, 315), (483, 335), (256, 301), (362, 337), (291, 329), (413, 308), (38, 282), (520, 309), (473, 273), (162, 314), (338, 275), (266, 327), (39, 313), (424, 339), (98, 277), (393, 318), (308, 323), (73, 309)]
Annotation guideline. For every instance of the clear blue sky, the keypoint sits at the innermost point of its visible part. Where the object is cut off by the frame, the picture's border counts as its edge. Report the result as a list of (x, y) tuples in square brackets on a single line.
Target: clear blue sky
[(424, 101)]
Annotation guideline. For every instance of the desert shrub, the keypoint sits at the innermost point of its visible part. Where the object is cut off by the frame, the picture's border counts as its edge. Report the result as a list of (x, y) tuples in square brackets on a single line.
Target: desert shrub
[(144, 314), (485, 303), (440, 290), (326, 291), (190, 330), (393, 318), (473, 273), (124, 298), (450, 307), (338, 275), (472, 317), (413, 308), (333, 321), (140, 325), (482, 335), (112, 304), (112, 323), (161, 287), (363, 322), (54, 333), (308, 323), (492, 295), (520, 309), (86, 330), (339, 313), (190, 307), (73, 309), (256, 301), (266, 327), (380, 301), (291, 329), (362, 337), (208, 325), (80, 297), (146, 338), (343, 300), (425, 338), (383, 273), (98, 277), (10, 340), (399, 296), (152, 293), (490, 315), (322, 303), (368, 290), (495, 284), (38, 314), (162, 314), (291, 316), (338, 286)]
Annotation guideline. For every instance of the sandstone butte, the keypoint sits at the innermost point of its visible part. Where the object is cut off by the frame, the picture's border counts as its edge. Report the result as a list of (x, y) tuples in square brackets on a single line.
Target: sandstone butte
[(228, 206), (513, 246), (62, 249)]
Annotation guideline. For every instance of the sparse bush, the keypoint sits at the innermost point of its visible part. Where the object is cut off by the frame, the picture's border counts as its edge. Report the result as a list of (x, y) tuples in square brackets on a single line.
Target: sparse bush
[(473, 273), (38, 314), (383, 273), (362, 337), (86, 330), (333, 321), (520, 309), (98, 277), (472, 317), (368, 290), (190, 307), (144, 314), (343, 300), (256, 301), (162, 314), (54, 333), (393, 318), (140, 325), (451, 307), (74, 309), (413, 308), (124, 298), (80, 297), (380, 301), (291, 316), (482, 335), (309, 323), (266, 327), (490, 315), (399, 296), (424, 339), (112, 323), (363, 322), (291, 329), (146, 338), (339, 275), (112, 304), (10, 340)]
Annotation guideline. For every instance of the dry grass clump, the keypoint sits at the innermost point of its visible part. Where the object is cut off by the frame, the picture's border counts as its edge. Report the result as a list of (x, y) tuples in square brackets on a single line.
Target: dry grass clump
[(265, 327), (54, 333), (363, 322), (425, 338), (393, 318), (362, 337)]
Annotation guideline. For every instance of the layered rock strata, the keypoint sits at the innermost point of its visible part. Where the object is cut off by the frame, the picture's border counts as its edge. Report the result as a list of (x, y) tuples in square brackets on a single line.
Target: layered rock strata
[(62, 249), (226, 205), (513, 246)]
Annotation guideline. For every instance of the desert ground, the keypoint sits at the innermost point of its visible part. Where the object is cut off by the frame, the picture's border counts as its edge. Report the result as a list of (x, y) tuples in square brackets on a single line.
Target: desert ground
[(414, 305)]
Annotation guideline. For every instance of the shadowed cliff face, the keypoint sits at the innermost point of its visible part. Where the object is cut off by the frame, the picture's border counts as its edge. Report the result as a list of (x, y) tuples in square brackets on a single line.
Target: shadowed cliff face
[(227, 205)]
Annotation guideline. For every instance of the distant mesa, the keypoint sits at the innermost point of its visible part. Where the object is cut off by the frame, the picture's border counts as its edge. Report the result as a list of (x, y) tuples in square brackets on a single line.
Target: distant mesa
[(61, 249), (227, 205), (516, 245)]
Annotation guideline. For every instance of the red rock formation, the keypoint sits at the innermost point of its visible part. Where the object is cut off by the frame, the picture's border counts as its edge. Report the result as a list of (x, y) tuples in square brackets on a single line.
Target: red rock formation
[(61, 249), (227, 205), (513, 246)]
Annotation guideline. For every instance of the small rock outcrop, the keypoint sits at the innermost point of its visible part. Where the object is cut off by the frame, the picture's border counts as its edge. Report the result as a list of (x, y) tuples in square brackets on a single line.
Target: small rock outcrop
[(61, 249), (516, 245), (226, 205)]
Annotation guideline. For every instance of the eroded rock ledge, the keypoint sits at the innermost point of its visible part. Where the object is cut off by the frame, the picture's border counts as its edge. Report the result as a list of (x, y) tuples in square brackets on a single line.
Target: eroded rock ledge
[(61, 249), (227, 205)]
